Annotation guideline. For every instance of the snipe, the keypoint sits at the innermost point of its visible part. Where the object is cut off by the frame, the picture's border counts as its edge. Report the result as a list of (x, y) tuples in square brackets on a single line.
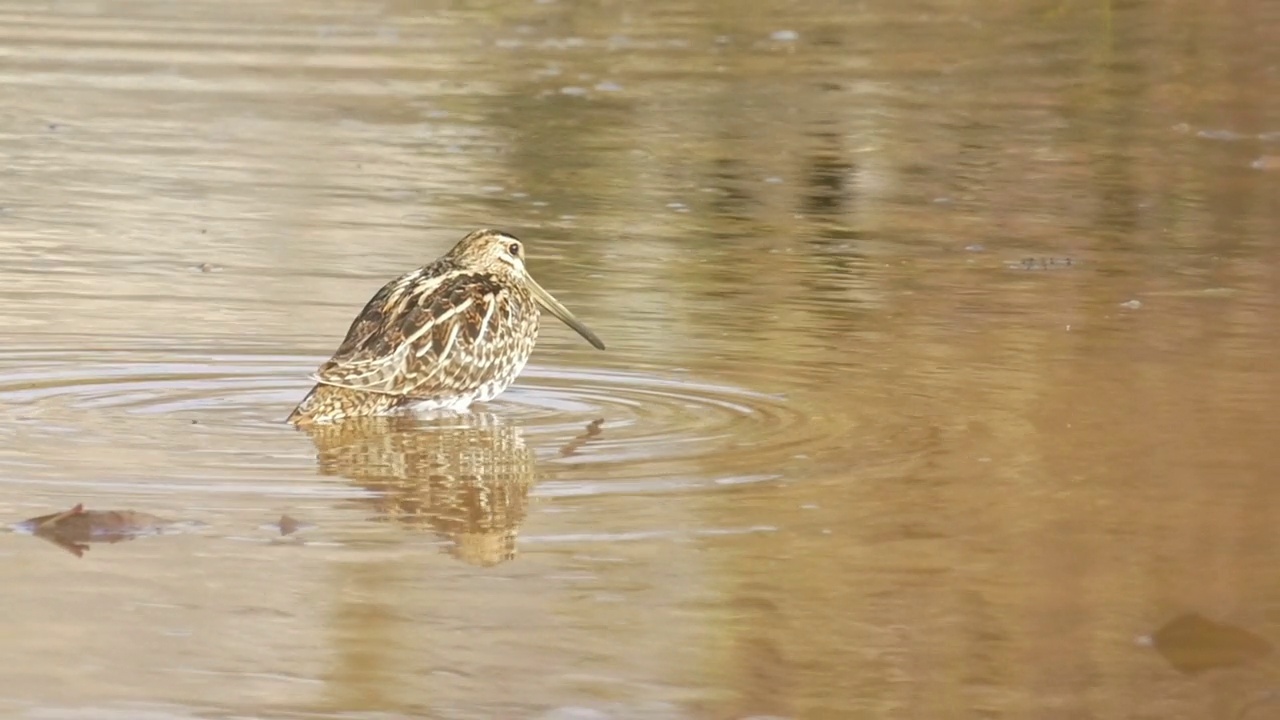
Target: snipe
[(440, 337)]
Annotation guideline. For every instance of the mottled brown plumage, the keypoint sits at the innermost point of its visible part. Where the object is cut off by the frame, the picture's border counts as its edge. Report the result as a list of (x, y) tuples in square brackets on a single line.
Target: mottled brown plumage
[(440, 337)]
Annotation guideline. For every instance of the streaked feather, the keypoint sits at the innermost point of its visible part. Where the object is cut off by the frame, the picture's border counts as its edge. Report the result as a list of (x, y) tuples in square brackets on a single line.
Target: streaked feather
[(428, 344)]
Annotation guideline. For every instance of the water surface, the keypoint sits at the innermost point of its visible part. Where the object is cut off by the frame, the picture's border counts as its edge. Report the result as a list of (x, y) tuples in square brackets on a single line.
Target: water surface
[(940, 372)]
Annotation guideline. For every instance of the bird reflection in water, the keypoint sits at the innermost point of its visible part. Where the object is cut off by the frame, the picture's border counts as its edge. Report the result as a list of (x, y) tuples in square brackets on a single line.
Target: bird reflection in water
[(464, 476)]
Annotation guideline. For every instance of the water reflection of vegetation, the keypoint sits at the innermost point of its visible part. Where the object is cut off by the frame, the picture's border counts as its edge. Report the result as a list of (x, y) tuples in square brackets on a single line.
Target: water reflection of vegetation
[(466, 478)]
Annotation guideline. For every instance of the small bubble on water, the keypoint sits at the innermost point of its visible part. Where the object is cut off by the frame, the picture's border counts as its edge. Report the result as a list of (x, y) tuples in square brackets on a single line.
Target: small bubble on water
[(784, 36), (608, 86), (1131, 304), (678, 207), (573, 91), (773, 180)]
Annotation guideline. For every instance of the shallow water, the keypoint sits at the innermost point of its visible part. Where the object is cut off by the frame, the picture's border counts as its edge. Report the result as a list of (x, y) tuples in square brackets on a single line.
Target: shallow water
[(941, 367)]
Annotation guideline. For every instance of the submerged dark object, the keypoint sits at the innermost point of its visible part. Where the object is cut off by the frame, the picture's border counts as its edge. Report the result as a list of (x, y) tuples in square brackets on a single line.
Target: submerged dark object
[(1193, 644), (73, 529)]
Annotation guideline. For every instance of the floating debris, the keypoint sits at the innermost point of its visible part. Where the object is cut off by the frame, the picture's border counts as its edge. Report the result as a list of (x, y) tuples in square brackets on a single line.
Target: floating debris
[(1041, 263), (593, 430), (1193, 644), (288, 525), (73, 529)]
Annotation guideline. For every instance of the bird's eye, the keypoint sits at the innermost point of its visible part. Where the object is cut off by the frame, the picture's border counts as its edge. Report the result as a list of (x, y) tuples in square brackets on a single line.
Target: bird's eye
[(514, 249)]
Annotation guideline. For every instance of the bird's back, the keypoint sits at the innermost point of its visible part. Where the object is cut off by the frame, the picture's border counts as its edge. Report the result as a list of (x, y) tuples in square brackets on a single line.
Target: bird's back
[(440, 336)]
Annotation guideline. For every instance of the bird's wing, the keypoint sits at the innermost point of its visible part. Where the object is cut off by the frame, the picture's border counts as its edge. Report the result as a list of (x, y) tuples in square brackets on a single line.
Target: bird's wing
[(428, 334)]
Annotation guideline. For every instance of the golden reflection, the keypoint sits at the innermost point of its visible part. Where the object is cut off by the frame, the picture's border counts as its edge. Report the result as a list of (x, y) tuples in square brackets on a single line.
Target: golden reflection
[(466, 477)]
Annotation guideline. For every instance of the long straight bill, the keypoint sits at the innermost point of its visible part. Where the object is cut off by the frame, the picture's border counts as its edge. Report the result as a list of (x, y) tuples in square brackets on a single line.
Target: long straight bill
[(554, 307)]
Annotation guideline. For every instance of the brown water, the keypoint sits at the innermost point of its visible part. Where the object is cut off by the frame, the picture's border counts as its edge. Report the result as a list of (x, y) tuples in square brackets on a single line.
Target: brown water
[(942, 360)]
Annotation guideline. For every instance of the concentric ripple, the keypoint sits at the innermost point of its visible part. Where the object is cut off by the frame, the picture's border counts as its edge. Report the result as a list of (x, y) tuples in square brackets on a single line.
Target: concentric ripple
[(594, 430), (674, 428)]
